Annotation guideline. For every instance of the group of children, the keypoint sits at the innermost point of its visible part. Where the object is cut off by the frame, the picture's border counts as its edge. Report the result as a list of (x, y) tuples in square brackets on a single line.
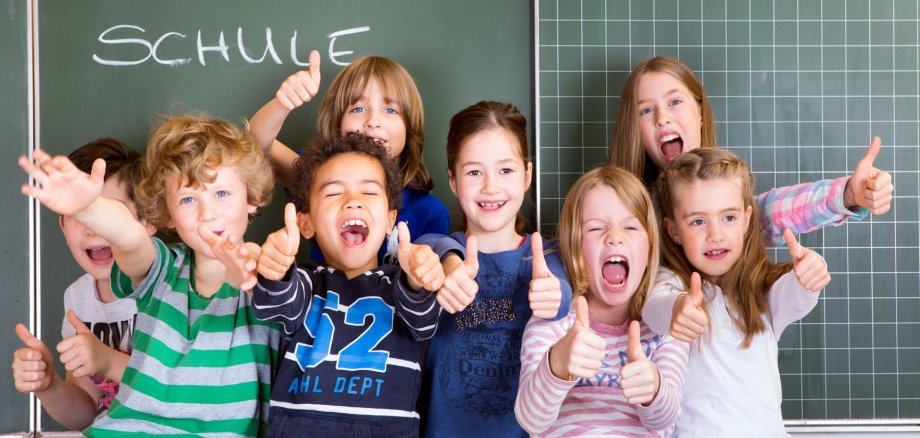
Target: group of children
[(651, 315)]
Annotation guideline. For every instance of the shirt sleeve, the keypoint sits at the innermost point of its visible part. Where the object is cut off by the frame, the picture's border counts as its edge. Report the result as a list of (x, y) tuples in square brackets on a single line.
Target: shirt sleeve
[(121, 283), (659, 305), (554, 263), (671, 361), (442, 245), (419, 310), (540, 394), (788, 302), (804, 208), (285, 301)]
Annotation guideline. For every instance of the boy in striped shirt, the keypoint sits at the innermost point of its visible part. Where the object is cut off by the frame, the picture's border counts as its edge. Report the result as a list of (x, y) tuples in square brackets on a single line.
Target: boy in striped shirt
[(202, 362)]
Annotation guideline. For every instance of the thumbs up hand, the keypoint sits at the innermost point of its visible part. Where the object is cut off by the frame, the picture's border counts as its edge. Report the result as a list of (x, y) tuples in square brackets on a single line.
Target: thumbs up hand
[(421, 265), (545, 293), (639, 378), (33, 366), (240, 260), (869, 187), (302, 86), (688, 319), (280, 248), (83, 354), (460, 286), (809, 267), (579, 353)]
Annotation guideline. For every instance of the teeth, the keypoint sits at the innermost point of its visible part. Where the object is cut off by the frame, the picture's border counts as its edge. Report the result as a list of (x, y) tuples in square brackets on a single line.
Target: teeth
[(354, 222), (378, 141), (669, 137), (492, 204), (715, 252), (616, 259)]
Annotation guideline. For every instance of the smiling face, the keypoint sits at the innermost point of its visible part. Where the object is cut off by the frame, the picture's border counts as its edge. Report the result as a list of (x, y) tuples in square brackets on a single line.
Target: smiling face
[(669, 117), (93, 253), (349, 212), (709, 222), (378, 118), (490, 180), (615, 247), (221, 206)]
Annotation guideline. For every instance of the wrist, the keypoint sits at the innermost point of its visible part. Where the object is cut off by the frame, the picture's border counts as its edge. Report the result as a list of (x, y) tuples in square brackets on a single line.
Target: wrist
[(849, 198)]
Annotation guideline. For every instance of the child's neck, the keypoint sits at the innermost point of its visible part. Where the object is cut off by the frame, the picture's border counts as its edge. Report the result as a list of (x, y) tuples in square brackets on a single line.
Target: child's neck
[(210, 275), (104, 291), (606, 314), (504, 239)]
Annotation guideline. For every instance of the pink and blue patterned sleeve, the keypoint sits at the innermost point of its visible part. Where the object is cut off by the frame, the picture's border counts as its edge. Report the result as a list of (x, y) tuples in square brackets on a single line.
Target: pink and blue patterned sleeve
[(804, 208)]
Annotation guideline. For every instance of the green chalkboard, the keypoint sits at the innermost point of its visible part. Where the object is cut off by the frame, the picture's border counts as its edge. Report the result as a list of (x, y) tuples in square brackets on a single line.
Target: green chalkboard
[(14, 218), (798, 90), (108, 68)]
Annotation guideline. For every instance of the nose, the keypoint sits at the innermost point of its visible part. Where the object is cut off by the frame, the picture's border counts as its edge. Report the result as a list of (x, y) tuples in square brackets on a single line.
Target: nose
[(353, 202), (615, 236), (714, 233), (662, 118), (206, 211), (373, 119), (87, 232), (488, 183)]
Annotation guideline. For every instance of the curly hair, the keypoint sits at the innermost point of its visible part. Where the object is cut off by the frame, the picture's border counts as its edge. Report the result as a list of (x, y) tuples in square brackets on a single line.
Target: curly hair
[(121, 162), (190, 148), (323, 149)]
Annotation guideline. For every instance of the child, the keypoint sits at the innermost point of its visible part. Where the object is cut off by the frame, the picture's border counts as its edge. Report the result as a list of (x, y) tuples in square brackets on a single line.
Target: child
[(201, 362), (352, 365), (706, 205), (98, 327), (472, 365), (377, 97), (629, 380), (664, 110)]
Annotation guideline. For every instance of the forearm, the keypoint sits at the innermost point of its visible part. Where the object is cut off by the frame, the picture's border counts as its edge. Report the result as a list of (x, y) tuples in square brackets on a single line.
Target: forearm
[(283, 301), (671, 361), (659, 305), (264, 128), (118, 361), (131, 246), (68, 403), (540, 397), (419, 310), (804, 208)]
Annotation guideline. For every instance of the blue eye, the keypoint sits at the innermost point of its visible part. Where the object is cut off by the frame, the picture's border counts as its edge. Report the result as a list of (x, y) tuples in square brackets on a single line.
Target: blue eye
[(357, 109), (644, 111), (697, 222), (676, 102), (730, 218), (222, 194), (391, 110), (186, 200)]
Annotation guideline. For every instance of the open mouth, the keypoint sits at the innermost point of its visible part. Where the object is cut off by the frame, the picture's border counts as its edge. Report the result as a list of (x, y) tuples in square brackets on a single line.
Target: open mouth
[(491, 205), (100, 254), (671, 146), (354, 232), (715, 254), (615, 272)]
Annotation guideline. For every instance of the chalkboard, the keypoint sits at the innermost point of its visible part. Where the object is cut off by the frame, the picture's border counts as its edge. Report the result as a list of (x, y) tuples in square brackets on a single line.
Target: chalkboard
[(108, 68), (14, 220), (798, 89)]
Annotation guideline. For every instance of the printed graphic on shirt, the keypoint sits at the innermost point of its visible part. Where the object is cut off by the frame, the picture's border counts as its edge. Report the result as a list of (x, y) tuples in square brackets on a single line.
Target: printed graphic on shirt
[(114, 334), (609, 376)]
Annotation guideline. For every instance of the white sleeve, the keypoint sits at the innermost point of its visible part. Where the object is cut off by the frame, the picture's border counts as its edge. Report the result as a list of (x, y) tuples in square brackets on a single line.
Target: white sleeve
[(659, 305), (788, 302)]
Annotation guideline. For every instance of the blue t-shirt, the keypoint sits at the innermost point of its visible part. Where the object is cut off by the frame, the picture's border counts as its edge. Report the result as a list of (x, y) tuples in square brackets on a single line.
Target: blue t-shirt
[(423, 212), (474, 360)]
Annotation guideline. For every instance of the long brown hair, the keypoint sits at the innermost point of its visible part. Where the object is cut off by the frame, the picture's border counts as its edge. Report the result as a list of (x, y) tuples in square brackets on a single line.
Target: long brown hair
[(636, 198), (479, 117), (399, 88), (626, 148), (747, 282)]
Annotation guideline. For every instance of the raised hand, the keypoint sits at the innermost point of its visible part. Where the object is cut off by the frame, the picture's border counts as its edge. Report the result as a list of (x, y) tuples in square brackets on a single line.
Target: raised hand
[(869, 187), (32, 365), (545, 294), (421, 265), (579, 353), (460, 286), (302, 86), (639, 377), (810, 268), (240, 260), (61, 186), (280, 248), (84, 354), (688, 320)]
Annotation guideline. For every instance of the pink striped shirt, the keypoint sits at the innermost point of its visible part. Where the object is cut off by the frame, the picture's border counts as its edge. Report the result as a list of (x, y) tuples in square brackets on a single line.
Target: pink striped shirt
[(549, 406)]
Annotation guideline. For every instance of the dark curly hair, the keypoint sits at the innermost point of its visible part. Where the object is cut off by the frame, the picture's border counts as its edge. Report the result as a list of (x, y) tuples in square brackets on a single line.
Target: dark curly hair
[(322, 149), (120, 161)]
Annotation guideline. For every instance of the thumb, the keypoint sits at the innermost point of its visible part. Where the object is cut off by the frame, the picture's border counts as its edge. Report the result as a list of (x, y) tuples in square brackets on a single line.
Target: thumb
[(404, 248), (472, 256), (795, 249), (871, 154), (77, 324), (581, 312), (314, 61), (290, 225), (539, 260), (207, 236), (634, 348), (97, 173), (31, 341), (696, 289)]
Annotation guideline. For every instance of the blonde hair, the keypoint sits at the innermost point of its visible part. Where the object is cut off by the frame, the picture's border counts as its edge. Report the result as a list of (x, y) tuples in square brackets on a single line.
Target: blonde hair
[(636, 198), (399, 88), (746, 283), (189, 149), (626, 148)]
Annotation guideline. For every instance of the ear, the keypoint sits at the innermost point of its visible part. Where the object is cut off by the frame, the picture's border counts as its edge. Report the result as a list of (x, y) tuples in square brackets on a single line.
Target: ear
[(391, 221), (672, 230), (251, 209), (61, 222), (306, 225), (452, 181), (748, 212), (529, 175), (150, 229)]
